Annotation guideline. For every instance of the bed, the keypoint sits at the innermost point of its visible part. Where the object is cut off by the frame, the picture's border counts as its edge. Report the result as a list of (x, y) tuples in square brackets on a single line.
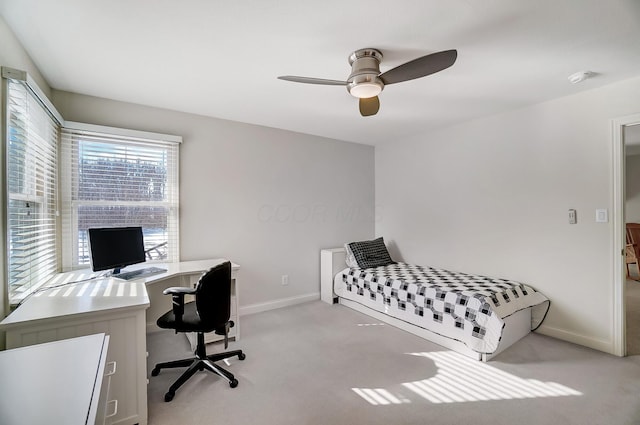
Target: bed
[(474, 315)]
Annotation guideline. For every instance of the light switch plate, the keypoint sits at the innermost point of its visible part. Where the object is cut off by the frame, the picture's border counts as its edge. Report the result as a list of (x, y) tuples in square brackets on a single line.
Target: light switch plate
[(602, 216), (573, 218)]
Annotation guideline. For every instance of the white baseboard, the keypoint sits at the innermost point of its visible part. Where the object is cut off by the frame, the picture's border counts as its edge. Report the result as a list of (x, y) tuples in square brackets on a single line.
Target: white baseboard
[(596, 344), (257, 308), (272, 305)]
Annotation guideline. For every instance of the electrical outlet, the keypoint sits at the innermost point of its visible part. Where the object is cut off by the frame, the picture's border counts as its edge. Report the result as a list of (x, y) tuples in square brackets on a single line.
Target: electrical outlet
[(573, 219), (285, 279)]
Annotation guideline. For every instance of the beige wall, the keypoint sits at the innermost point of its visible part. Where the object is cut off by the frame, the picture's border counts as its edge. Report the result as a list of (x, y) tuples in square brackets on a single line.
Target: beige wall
[(491, 197), (267, 199)]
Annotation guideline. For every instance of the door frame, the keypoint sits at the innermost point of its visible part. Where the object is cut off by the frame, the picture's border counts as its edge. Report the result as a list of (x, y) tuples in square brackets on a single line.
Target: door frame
[(619, 231)]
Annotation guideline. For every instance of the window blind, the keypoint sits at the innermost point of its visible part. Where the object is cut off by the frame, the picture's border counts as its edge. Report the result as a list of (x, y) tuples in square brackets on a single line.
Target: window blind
[(118, 178), (32, 160)]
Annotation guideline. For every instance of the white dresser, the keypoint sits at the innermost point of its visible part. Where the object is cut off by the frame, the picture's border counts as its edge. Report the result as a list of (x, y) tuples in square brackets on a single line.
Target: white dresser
[(56, 383)]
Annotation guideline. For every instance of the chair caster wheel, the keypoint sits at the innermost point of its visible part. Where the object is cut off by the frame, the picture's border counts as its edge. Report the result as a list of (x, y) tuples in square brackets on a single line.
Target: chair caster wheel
[(242, 356), (169, 396), (233, 383), (155, 371)]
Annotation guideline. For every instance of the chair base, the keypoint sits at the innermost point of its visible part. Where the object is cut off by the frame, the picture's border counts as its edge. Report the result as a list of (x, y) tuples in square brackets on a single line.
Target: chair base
[(200, 362)]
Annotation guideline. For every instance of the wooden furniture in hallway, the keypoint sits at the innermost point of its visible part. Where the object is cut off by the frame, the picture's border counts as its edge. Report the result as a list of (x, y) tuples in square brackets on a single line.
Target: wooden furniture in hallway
[(632, 252)]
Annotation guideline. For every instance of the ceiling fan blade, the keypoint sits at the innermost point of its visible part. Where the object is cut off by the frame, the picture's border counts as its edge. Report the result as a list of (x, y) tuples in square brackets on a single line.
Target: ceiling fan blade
[(310, 80), (420, 67), (369, 106)]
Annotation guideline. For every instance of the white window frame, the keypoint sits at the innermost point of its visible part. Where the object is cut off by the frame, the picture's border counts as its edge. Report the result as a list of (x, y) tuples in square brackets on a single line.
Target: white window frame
[(70, 205), (39, 278)]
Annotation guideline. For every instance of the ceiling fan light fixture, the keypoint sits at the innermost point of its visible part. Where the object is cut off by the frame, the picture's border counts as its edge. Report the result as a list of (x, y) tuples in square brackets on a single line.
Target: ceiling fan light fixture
[(365, 90), (365, 85)]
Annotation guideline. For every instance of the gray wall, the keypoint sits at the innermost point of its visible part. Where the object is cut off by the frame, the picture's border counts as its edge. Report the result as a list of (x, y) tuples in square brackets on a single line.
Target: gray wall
[(267, 199), (491, 197)]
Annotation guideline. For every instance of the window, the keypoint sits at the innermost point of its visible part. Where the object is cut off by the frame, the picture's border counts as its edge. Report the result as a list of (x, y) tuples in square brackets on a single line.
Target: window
[(113, 178), (32, 129)]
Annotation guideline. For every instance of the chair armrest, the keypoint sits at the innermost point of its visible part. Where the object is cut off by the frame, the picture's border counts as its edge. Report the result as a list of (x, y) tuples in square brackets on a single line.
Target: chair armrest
[(179, 290), (177, 297)]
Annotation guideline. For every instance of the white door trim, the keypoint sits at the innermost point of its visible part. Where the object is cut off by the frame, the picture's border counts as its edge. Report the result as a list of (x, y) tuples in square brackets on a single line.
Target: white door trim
[(619, 238)]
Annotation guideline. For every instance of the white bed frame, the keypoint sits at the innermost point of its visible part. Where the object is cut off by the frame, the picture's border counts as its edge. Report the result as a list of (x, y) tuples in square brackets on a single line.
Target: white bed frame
[(332, 261)]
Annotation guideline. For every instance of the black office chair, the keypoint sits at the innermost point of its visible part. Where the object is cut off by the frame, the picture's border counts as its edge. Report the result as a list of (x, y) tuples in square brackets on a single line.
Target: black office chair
[(209, 312)]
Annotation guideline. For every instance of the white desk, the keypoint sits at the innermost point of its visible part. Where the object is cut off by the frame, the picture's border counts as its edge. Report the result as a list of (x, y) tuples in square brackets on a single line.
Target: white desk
[(56, 383), (116, 308)]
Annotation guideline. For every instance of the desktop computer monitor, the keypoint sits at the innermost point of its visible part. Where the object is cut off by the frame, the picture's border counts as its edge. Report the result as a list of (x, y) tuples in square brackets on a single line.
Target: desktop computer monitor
[(115, 248)]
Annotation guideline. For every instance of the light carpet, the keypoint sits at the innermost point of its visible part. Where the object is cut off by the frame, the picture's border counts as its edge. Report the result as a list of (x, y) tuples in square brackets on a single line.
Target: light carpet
[(315, 363)]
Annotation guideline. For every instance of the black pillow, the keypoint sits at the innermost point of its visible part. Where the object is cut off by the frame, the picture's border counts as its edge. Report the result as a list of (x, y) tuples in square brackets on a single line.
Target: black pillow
[(371, 253)]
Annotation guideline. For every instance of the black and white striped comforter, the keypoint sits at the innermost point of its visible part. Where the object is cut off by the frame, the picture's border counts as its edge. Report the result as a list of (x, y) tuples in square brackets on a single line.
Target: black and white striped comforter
[(465, 307)]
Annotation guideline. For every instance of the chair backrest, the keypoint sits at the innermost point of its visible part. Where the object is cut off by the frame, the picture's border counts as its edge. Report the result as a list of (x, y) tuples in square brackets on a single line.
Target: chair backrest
[(213, 295)]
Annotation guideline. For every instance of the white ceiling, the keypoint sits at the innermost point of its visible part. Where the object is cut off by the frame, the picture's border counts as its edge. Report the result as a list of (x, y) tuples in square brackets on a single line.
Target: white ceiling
[(221, 58)]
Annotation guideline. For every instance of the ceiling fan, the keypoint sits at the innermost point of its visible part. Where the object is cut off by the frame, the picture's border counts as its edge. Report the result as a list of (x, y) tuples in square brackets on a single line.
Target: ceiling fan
[(366, 82)]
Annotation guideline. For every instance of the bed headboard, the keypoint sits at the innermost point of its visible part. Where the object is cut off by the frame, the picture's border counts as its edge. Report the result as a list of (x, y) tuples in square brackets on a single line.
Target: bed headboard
[(332, 261)]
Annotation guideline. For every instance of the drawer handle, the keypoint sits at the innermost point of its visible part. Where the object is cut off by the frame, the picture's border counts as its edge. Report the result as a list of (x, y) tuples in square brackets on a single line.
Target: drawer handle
[(115, 408), (112, 365)]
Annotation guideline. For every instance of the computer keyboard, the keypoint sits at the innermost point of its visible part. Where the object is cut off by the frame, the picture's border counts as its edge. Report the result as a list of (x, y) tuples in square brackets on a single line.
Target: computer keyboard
[(140, 273)]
